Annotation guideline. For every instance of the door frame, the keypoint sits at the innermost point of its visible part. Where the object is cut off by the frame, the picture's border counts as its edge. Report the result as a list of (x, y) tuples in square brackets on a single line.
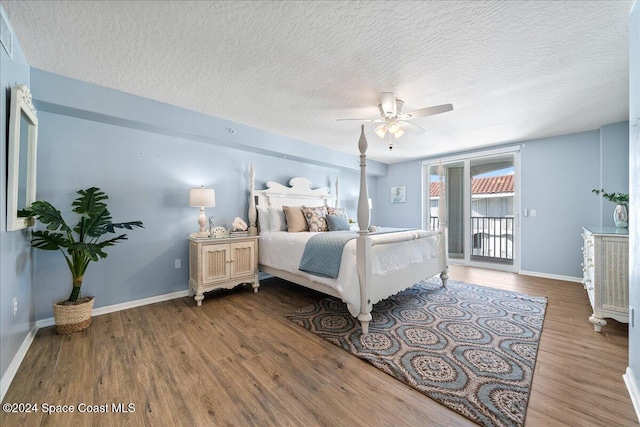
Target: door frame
[(466, 159)]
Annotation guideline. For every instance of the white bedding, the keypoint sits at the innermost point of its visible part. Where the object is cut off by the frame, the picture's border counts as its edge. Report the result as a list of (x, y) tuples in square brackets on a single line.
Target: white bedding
[(283, 250)]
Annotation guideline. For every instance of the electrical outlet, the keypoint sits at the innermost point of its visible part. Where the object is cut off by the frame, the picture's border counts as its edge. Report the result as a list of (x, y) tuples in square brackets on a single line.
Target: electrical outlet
[(15, 305), (178, 263), (533, 212)]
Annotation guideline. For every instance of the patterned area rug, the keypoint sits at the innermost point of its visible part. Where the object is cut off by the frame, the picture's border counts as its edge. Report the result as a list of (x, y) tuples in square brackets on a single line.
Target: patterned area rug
[(471, 348)]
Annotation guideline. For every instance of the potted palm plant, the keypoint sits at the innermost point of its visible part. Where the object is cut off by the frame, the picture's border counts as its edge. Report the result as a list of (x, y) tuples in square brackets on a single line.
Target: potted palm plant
[(79, 245)]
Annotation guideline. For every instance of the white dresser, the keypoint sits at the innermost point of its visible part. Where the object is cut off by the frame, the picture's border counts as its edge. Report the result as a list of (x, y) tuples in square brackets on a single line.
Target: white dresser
[(606, 273)]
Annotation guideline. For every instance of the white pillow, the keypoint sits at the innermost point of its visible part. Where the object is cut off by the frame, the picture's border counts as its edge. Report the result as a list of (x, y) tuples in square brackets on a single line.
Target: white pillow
[(263, 219), (277, 220)]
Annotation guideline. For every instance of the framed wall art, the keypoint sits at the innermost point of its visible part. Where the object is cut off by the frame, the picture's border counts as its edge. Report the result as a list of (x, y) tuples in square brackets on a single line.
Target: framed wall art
[(399, 194)]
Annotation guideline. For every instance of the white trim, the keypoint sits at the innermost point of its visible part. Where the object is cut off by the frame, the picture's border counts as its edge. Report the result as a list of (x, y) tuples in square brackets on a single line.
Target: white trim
[(10, 373), (551, 276), (492, 266), (517, 200), (122, 306), (5, 21), (466, 160), (481, 196), (634, 390), (469, 156)]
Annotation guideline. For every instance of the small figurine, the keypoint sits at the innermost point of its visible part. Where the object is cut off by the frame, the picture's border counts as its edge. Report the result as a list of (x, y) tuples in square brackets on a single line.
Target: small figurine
[(211, 224), (238, 224)]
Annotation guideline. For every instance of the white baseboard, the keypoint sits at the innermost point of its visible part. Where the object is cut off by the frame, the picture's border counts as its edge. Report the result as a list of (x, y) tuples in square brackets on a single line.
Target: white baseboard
[(634, 391), (7, 378), (122, 306), (551, 276)]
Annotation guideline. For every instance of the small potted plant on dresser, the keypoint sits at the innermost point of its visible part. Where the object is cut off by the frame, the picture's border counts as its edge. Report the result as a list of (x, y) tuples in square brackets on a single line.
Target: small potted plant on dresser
[(621, 211), (79, 245)]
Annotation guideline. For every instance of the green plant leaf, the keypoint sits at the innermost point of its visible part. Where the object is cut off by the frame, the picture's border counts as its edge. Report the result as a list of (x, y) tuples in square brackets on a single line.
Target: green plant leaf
[(618, 198), (95, 221), (94, 225), (111, 242), (49, 241), (90, 202), (128, 225), (92, 251), (48, 215)]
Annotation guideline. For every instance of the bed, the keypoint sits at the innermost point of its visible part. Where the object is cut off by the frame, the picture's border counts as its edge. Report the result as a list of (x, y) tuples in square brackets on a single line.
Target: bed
[(373, 266)]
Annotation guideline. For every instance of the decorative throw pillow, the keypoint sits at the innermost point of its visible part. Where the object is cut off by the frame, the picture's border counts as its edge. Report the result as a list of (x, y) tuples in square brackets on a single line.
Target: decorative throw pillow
[(277, 220), (295, 219), (316, 218), (263, 219), (337, 223), (337, 212)]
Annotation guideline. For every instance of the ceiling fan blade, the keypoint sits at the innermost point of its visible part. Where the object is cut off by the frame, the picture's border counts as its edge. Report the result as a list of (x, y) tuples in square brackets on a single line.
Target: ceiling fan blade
[(388, 103), (378, 120), (411, 128), (429, 111)]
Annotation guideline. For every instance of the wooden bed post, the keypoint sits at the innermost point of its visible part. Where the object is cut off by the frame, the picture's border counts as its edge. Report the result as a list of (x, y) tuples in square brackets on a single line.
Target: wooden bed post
[(363, 243), (253, 230), (442, 228)]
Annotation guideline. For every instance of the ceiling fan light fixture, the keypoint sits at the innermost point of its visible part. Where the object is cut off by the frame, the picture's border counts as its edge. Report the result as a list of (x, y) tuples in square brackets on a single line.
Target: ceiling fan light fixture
[(394, 127), (394, 121), (381, 131)]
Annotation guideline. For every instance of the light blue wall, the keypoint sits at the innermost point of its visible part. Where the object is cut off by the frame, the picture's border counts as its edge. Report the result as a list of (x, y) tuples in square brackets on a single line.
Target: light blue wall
[(15, 251), (407, 214), (614, 151), (146, 155), (634, 178), (557, 176)]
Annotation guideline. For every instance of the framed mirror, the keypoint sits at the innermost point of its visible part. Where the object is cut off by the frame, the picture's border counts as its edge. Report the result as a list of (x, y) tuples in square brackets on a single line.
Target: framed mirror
[(23, 140)]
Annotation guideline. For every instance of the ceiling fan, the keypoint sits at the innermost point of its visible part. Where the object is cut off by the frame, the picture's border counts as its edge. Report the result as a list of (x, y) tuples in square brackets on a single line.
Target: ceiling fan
[(395, 122)]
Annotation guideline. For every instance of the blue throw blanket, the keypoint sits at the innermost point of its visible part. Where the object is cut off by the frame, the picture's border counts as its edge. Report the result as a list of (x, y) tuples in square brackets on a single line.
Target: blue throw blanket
[(323, 253)]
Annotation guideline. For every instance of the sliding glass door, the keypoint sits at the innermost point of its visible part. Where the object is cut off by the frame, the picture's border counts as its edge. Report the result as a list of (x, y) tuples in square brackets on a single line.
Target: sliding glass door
[(482, 215)]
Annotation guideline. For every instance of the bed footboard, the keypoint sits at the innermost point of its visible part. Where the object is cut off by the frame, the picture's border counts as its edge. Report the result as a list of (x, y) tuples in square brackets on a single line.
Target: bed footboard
[(374, 288)]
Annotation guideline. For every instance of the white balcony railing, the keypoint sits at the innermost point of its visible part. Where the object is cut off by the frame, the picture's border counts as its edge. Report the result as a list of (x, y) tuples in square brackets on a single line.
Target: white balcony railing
[(492, 237)]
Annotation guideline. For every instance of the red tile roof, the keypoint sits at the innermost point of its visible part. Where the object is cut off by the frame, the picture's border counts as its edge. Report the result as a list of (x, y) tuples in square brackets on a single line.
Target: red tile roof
[(492, 185)]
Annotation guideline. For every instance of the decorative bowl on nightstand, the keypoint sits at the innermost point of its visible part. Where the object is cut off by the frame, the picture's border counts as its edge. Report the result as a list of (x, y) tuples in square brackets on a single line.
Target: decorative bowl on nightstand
[(219, 232)]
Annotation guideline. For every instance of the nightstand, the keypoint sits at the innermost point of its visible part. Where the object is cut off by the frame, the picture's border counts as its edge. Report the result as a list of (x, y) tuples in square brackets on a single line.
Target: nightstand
[(222, 264)]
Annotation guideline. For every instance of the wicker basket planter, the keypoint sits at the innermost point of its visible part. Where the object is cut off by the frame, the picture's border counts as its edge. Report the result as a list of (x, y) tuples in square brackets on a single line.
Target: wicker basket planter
[(73, 317)]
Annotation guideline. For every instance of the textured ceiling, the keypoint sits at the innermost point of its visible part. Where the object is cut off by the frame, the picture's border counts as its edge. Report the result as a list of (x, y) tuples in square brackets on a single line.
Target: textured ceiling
[(513, 70)]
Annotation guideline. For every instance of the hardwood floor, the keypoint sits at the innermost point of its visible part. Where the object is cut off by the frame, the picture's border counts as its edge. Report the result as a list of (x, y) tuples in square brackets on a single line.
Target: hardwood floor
[(237, 361)]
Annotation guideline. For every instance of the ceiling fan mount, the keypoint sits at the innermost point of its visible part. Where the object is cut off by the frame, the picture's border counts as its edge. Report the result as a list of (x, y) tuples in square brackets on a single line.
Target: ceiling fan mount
[(395, 122)]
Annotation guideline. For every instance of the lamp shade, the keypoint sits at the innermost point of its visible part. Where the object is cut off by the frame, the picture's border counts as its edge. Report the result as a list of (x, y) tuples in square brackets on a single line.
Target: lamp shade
[(381, 131), (200, 197)]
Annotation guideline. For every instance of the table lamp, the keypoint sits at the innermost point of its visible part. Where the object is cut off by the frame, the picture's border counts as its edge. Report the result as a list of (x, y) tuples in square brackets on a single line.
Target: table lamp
[(202, 197)]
